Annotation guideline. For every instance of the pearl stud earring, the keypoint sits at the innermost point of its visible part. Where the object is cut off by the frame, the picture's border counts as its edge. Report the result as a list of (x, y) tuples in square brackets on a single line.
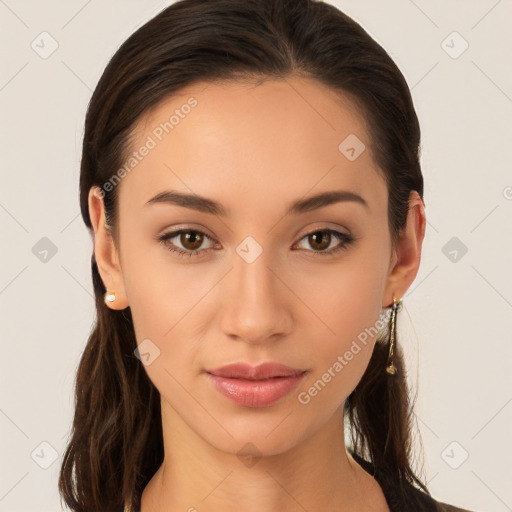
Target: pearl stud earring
[(110, 297)]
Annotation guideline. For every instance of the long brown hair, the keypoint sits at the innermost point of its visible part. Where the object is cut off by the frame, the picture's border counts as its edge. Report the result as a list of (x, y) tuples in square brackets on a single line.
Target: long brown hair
[(116, 443)]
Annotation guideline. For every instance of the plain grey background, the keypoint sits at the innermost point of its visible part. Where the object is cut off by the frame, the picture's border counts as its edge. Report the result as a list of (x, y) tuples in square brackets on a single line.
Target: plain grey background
[(456, 321)]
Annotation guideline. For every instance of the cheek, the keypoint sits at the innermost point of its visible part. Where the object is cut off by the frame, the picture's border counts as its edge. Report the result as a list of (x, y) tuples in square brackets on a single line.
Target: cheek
[(345, 298), (160, 291), (170, 305), (340, 359), (348, 321)]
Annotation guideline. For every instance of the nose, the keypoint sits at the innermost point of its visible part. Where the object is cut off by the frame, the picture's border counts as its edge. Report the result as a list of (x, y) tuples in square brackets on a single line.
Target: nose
[(256, 303)]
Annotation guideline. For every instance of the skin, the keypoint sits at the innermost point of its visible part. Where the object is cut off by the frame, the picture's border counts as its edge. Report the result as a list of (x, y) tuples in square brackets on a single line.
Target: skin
[(255, 149)]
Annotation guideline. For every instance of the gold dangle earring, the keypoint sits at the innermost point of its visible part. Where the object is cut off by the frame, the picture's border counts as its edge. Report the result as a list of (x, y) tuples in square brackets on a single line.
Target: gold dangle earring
[(391, 368)]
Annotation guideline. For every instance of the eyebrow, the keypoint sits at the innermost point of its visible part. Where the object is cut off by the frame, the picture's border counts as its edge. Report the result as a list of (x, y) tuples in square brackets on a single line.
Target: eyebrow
[(203, 204)]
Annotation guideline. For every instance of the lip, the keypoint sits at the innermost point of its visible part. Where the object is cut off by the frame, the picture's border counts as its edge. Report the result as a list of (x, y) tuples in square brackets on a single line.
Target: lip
[(255, 386), (262, 371)]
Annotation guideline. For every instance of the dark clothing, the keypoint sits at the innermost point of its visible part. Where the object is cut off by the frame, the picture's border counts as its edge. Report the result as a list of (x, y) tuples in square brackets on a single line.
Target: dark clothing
[(408, 499)]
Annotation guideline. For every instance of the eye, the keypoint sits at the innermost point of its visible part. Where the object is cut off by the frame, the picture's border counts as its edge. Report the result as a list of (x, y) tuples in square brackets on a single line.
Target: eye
[(190, 240), (322, 239)]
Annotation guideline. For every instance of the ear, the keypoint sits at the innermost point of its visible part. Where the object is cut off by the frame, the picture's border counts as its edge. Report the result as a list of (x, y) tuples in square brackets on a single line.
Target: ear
[(406, 258), (105, 251)]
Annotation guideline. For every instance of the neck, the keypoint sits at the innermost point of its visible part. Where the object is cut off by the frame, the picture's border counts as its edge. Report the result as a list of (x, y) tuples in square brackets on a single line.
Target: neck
[(317, 474)]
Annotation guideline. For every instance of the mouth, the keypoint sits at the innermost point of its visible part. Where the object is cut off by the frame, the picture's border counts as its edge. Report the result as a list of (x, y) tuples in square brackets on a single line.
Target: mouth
[(255, 386), (261, 372)]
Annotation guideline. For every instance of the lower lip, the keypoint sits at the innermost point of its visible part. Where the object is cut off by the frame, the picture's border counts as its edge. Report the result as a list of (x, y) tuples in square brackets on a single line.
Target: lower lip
[(255, 393)]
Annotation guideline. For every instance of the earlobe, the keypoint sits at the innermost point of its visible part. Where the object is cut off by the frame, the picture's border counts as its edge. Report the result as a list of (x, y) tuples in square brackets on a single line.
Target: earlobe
[(105, 252), (408, 251)]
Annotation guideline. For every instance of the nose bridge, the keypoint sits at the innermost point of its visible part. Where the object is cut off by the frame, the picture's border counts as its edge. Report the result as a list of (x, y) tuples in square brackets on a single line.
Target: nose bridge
[(254, 308)]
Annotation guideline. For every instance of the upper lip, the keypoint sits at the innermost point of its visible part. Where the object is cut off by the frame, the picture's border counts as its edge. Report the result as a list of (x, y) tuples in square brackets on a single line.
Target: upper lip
[(249, 372)]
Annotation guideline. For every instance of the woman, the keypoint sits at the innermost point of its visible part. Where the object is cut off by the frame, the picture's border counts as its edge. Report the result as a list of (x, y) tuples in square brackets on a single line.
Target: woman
[(250, 174)]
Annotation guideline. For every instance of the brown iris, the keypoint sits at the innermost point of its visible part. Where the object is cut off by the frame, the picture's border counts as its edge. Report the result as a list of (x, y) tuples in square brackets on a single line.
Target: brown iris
[(322, 238), (193, 238)]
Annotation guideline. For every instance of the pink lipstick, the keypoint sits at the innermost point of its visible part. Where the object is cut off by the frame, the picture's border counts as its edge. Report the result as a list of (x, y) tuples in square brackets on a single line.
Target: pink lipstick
[(255, 386)]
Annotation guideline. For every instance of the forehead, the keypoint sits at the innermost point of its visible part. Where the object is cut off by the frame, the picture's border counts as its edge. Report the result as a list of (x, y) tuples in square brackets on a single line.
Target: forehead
[(278, 137)]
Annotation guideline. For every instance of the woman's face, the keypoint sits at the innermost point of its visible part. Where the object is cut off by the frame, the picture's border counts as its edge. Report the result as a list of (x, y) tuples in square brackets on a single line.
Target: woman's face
[(253, 283)]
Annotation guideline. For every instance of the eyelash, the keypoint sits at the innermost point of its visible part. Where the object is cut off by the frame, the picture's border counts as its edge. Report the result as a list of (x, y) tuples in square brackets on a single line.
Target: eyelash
[(343, 237)]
